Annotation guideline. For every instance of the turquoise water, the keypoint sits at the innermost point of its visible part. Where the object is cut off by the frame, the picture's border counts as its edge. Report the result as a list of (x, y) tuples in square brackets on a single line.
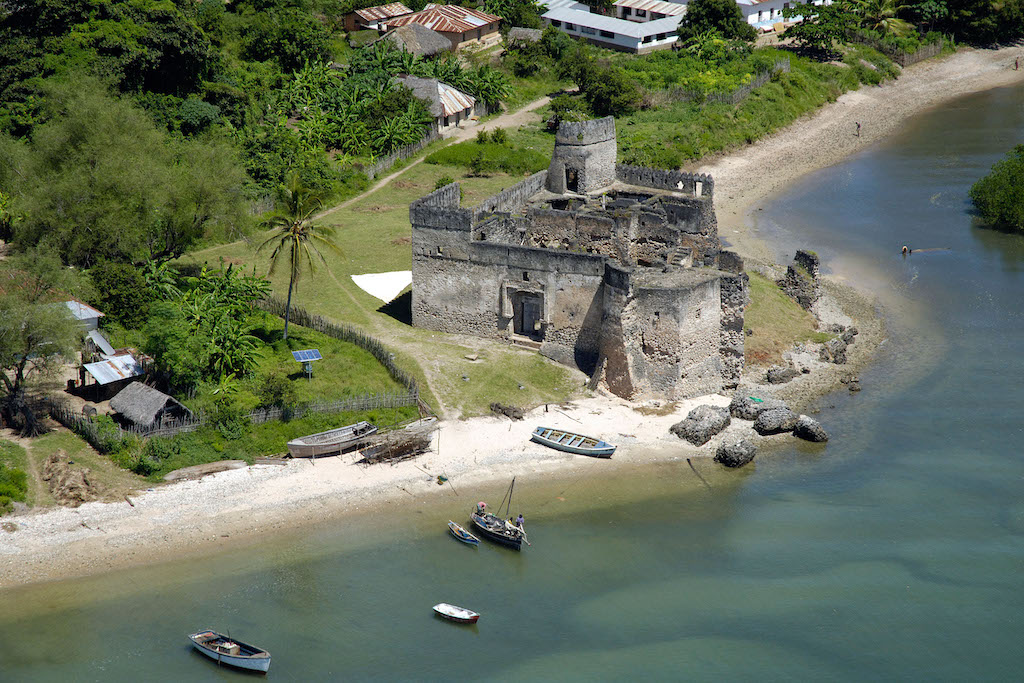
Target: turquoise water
[(896, 552)]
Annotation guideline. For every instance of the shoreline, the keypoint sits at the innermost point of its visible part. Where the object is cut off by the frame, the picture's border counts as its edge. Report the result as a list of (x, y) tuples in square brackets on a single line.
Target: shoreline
[(238, 507)]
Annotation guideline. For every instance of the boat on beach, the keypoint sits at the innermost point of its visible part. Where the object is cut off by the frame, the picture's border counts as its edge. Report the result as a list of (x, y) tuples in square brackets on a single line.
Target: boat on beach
[(226, 650), (570, 442), (461, 534), (460, 615), (331, 441)]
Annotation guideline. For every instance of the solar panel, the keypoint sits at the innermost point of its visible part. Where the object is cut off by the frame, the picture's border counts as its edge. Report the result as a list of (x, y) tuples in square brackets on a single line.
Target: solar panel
[(307, 355)]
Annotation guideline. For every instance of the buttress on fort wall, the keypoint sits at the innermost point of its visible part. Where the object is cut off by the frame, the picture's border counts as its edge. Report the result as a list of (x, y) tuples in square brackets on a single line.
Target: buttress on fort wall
[(617, 270)]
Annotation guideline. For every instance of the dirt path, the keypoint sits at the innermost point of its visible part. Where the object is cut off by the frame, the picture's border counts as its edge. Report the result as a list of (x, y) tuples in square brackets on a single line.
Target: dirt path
[(514, 119)]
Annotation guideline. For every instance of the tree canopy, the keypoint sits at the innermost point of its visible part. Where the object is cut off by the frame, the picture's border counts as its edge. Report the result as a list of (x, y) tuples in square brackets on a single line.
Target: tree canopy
[(721, 16), (999, 196)]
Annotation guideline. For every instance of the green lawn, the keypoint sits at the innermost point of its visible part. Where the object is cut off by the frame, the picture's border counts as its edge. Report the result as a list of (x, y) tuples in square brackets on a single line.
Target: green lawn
[(775, 322), (12, 485), (375, 236)]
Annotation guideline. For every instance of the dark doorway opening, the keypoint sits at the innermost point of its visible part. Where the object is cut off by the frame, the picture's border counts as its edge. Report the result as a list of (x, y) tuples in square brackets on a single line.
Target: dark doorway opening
[(527, 313), (572, 180)]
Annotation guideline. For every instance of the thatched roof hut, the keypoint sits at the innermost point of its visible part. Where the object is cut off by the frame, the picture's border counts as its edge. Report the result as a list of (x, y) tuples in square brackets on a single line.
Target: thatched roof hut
[(144, 406), (418, 40)]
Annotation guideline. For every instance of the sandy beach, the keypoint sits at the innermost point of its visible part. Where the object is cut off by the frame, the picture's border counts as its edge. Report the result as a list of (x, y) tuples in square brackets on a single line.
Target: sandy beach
[(237, 505)]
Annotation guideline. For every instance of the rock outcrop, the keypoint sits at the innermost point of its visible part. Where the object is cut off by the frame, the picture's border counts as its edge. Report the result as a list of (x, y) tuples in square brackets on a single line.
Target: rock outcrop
[(779, 375), (775, 421), (809, 429), (736, 454), (744, 407), (701, 424)]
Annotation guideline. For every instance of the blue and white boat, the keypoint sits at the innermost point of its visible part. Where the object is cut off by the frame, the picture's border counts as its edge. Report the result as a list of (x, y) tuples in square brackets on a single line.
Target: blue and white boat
[(226, 650), (461, 534), (572, 443)]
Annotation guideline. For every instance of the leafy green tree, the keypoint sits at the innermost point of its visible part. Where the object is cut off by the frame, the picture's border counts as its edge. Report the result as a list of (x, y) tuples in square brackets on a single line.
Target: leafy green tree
[(524, 13), (232, 349), (180, 350), (122, 293), (822, 25), (986, 21), (288, 35), (883, 16), (37, 332), (999, 196), (297, 239), (723, 16), (102, 183)]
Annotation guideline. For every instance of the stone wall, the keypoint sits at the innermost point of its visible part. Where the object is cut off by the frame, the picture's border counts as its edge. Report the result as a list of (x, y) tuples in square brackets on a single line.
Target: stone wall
[(735, 295), (512, 199), (586, 151), (696, 184), (801, 279)]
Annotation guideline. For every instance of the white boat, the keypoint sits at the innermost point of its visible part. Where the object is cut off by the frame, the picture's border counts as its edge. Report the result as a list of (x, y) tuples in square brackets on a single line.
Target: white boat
[(331, 441), (453, 613), (570, 442), (226, 650)]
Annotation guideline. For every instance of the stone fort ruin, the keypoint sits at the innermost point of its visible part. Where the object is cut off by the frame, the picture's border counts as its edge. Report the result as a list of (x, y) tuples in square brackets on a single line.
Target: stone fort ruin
[(614, 269)]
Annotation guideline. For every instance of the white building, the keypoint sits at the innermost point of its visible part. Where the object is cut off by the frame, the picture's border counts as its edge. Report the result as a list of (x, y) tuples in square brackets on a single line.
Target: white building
[(651, 30), (764, 14)]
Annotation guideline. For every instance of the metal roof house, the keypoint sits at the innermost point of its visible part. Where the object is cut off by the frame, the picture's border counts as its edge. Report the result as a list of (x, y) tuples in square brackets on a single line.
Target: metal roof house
[(371, 17), (461, 25), (88, 316), (418, 40), (639, 34), (145, 407), (446, 104)]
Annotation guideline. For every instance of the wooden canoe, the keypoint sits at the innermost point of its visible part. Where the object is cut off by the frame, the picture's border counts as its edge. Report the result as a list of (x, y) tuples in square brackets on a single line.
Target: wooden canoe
[(457, 614), (571, 442), (461, 534), (225, 650), (332, 441)]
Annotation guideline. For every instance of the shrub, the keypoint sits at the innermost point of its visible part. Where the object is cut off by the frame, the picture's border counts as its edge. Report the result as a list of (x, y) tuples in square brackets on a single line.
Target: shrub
[(489, 157), (999, 196), (275, 389), (122, 293), (443, 181), (13, 486), (499, 136), (481, 137)]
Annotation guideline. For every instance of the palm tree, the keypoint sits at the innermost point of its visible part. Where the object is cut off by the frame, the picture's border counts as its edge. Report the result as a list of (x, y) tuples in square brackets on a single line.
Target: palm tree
[(295, 236), (881, 16)]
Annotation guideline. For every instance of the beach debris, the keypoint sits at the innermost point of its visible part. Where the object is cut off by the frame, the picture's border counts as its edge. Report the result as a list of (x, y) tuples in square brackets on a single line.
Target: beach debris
[(511, 412), (9, 527), (809, 429), (775, 421), (472, 357), (69, 486), (735, 453), (780, 375), (465, 378), (702, 423), (399, 445), (200, 471)]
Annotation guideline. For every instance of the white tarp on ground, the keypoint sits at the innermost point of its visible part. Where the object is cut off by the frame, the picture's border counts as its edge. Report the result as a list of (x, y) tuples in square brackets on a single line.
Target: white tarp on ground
[(384, 286)]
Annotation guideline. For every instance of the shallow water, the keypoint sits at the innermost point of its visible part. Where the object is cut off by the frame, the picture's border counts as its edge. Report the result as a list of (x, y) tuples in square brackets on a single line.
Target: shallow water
[(895, 552)]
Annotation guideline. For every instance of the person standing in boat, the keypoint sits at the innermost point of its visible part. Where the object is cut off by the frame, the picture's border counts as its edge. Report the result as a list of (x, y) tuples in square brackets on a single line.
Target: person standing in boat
[(481, 508), (519, 521)]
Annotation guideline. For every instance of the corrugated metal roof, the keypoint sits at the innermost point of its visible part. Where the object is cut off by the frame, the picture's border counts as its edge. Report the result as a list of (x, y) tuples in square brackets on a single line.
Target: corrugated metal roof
[(394, 9), (114, 369), (669, 9), (82, 311), (101, 342), (446, 19), (453, 100), (622, 27)]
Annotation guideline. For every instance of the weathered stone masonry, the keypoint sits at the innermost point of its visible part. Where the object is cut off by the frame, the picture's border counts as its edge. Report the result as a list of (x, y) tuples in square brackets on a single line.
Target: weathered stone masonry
[(617, 270)]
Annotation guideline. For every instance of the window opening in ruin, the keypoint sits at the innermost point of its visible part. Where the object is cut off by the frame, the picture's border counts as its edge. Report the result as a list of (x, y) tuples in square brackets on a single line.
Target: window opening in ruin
[(526, 276), (483, 237), (527, 313), (572, 180), (440, 251)]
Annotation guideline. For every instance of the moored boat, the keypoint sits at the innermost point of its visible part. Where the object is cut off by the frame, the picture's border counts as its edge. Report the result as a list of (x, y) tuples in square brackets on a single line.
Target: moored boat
[(570, 442), (461, 534), (331, 441), (225, 650), (457, 614), (496, 529)]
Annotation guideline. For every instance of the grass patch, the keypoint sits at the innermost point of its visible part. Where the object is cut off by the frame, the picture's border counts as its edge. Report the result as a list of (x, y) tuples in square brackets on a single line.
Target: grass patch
[(775, 322), (526, 90), (374, 235), (13, 475), (491, 157), (112, 481)]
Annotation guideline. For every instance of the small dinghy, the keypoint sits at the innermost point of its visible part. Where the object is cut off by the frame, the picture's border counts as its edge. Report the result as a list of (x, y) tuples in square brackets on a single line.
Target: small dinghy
[(461, 534), (457, 614), (225, 650), (571, 442), (332, 441)]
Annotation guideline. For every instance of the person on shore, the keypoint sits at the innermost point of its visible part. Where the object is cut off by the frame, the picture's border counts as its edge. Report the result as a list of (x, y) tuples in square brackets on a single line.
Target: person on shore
[(1016, 64), (858, 129)]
